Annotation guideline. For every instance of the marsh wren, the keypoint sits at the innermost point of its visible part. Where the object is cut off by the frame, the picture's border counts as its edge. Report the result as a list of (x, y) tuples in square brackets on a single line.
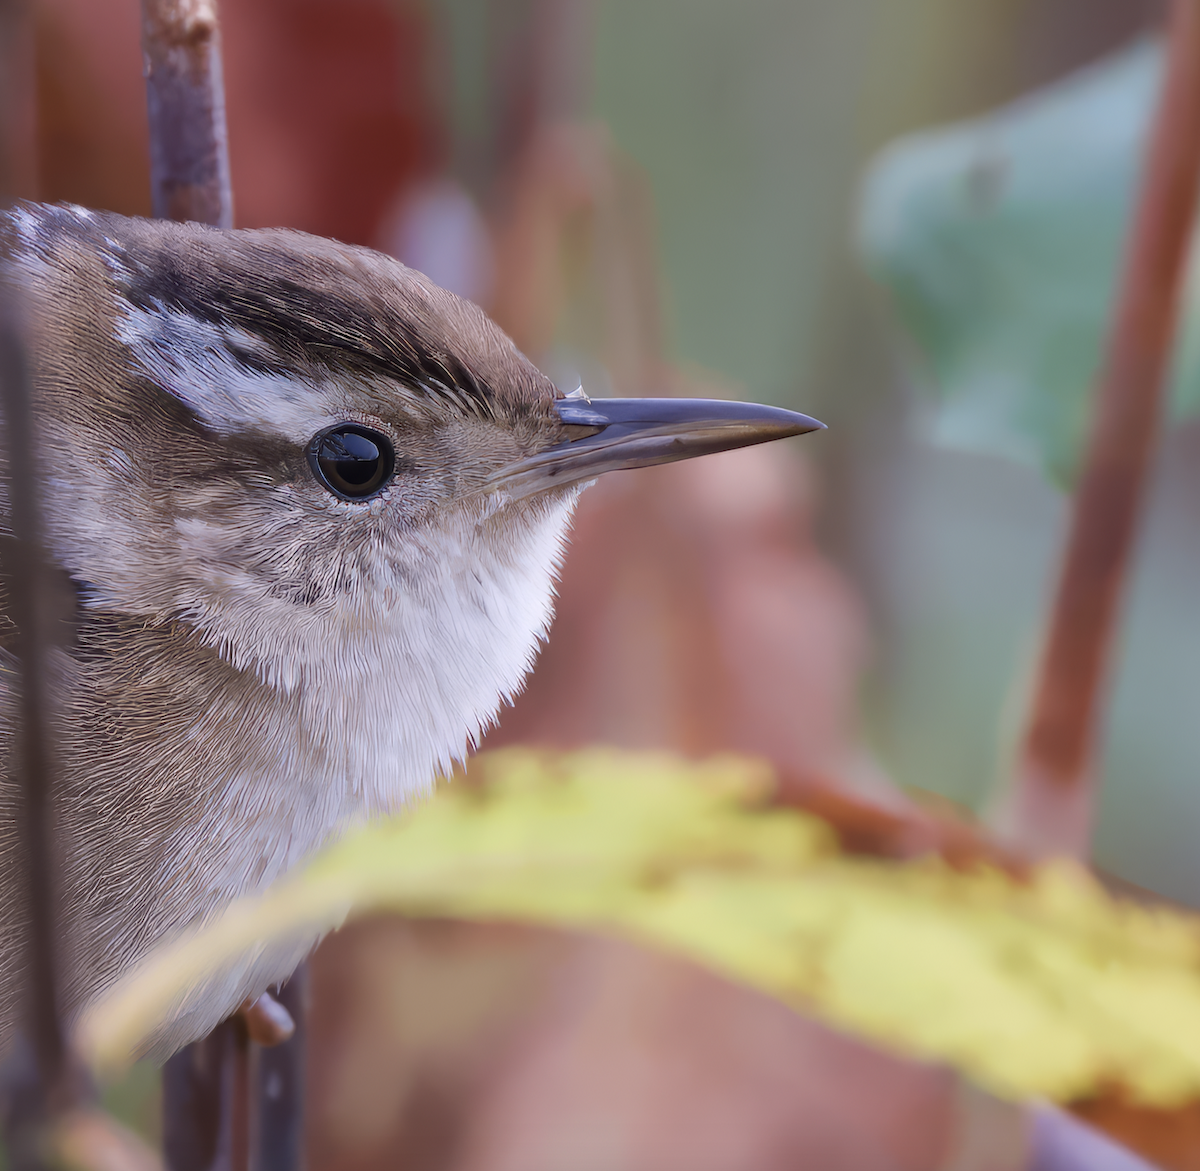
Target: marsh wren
[(313, 507)]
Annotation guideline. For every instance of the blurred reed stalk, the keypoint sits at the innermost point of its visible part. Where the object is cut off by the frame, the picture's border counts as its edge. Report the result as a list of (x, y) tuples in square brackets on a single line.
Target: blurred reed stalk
[(41, 1078), (42, 1085), (225, 1107), (49, 1114), (1051, 802)]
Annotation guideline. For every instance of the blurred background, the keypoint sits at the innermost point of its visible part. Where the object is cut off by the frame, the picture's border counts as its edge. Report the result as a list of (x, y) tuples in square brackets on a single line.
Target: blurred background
[(707, 197)]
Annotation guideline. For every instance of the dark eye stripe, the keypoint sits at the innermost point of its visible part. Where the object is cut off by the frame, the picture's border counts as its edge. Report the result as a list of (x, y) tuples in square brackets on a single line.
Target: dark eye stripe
[(351, 461)]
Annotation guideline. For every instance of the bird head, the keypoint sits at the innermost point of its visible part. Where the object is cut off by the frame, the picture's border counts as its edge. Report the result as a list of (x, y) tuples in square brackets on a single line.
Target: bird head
[(344, 480)]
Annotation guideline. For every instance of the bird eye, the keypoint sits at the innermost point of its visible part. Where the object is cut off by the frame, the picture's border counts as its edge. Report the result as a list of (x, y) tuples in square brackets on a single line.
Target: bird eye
[(353, 462)]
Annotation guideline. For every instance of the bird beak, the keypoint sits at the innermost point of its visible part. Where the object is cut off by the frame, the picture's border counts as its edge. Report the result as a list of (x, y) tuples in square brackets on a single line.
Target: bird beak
[(615, 433)]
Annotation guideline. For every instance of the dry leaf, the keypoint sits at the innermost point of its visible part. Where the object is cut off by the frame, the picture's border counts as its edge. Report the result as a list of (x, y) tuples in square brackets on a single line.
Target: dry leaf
[(1046, 987)]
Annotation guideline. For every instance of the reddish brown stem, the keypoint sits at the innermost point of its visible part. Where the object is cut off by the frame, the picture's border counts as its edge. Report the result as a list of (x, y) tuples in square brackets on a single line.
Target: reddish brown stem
[(206, 1088), (899, 829), (1053, 794), (185, 97)]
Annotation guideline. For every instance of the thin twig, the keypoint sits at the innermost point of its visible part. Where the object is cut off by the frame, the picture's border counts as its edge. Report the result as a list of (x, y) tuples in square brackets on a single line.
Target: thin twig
[(1050, 808), (208, 1103), (185, 97), (29, 603), (40, 1082), (198, 1083), (899, 828), (278, 1143)]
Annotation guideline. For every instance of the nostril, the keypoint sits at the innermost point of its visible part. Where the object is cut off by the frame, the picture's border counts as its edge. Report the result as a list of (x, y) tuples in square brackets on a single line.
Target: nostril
[(577, 431)]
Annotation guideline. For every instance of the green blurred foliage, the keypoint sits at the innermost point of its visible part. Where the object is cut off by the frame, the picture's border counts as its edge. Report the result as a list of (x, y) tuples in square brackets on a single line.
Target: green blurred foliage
[(752, 121), (1000, 240), (135, 1100)]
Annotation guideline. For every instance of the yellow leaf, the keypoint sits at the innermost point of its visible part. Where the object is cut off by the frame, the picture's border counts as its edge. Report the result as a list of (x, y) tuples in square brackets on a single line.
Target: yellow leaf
[(1048, 987)]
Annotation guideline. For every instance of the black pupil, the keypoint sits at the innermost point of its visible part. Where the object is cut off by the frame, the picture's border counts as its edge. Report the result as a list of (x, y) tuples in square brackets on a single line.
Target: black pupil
[(352, 461)]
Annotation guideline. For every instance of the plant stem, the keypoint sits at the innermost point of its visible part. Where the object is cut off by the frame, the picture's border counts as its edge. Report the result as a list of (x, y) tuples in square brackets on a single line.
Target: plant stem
[(279, 1109), (1053, 794), (205, 1091), (185, 97), (45, 1087), (210, 1107), (39, 1078)]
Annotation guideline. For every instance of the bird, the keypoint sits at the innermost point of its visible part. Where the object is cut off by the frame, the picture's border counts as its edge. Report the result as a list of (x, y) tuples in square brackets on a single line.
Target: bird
[(311, 508)]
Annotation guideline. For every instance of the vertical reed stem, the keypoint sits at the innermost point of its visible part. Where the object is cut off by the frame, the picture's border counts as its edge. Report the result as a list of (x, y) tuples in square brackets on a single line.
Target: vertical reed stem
[(1053, 795), (185, 98)]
